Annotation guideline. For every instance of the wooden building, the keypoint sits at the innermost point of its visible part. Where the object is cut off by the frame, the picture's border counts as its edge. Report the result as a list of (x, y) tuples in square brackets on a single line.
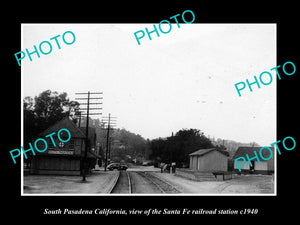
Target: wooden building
[(209, 160), (262, 167), (64, 158)]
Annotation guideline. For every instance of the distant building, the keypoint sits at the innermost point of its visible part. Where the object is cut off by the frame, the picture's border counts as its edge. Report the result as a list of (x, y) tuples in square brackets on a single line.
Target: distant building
[(65, 158), (264, 167), (207, 165), (209, 160)]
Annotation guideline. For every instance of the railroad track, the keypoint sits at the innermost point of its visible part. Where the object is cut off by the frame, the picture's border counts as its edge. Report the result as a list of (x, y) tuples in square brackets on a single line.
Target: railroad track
[(163, 186), (123, 184)]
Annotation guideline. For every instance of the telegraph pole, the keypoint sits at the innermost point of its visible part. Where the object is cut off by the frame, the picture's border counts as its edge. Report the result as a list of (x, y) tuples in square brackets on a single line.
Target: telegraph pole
[(79, 119), (110, 122), (84, 162), (171, 153), (109, 146), (107, 140)]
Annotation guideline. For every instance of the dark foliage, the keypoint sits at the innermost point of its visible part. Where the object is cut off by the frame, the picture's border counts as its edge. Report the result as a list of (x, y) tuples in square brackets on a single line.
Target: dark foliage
[(46, 109), (178, 147)]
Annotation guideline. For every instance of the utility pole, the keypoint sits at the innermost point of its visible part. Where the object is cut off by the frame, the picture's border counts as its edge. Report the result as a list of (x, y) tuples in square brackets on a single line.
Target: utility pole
[(84, 162), (79, 119), (109, 147), (171, 154), (107, 140), (110, 122)]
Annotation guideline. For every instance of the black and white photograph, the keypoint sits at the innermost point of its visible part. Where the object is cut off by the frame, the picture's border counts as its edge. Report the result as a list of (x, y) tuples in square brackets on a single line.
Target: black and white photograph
[(149, 113), (162, 117)]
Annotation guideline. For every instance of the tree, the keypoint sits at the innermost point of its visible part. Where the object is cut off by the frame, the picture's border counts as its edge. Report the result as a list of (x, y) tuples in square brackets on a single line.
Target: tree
[(46, 109), (51, 107), (129, 144), (30, 123), (178, 147)]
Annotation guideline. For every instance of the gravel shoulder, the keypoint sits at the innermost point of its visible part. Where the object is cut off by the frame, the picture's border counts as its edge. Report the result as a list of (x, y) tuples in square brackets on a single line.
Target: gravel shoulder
[(240, 184)]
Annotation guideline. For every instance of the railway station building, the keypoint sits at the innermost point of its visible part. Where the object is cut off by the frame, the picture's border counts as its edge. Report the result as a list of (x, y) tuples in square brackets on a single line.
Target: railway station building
[(256, 167), (212, 159), (65, 158), (207, 165)]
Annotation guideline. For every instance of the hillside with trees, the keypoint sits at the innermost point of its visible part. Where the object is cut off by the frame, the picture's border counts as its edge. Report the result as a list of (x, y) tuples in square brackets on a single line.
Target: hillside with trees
[(230, 145), (177, 148), (124, 145), (49, 107)]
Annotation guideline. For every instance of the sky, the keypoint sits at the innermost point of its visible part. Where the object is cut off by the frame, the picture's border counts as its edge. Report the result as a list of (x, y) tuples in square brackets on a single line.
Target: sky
[(183, 79)]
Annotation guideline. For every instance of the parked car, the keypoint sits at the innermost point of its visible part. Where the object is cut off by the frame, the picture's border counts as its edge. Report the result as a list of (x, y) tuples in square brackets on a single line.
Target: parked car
[(117, 166), (147, 163), (113, 166)]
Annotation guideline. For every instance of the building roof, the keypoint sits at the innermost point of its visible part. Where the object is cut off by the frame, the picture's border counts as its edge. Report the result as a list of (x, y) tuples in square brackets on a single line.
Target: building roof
[(243, 150), (202, 152), (64, 123)]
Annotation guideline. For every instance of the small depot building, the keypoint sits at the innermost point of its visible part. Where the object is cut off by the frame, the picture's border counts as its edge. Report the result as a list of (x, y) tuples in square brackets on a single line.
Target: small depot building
[(64, 158), (212, 159), (261, 167), (207, 165)]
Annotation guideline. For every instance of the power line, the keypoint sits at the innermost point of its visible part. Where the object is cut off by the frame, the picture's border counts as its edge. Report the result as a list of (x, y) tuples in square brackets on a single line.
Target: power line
[(84, 163), (91, 114), (90, 108), (84, 93), (109, 126), (86, 98), (91, 103)]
